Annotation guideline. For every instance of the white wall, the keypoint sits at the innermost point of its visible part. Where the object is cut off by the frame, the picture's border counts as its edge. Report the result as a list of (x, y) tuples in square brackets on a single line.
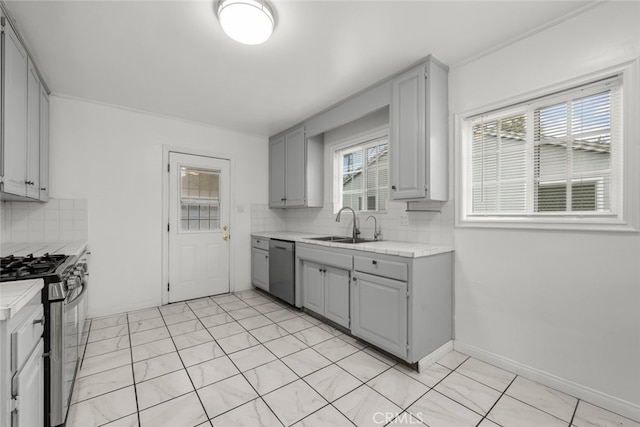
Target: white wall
[(564, 303), (113, 158)]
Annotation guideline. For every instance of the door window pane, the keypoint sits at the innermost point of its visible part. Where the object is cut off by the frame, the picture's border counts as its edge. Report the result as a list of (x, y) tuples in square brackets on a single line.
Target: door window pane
[(199, 199)]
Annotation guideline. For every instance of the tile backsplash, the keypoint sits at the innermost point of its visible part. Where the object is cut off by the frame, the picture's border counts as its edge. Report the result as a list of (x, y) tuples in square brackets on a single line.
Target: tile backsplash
[(434, 228), (56, 220)]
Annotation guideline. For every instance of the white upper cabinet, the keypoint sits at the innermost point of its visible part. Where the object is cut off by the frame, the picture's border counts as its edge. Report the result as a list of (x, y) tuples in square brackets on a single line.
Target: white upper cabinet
[(295, 170), (14, 113), (33, 133), (24, 152), (419, 137), (44, 144)]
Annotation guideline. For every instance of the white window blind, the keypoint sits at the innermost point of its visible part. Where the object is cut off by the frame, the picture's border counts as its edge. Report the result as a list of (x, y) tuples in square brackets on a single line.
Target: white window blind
[(364, 175), (554, 155)]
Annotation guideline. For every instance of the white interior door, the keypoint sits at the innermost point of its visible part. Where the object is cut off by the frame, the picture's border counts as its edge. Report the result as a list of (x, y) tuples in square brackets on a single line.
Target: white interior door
[(198, 226)]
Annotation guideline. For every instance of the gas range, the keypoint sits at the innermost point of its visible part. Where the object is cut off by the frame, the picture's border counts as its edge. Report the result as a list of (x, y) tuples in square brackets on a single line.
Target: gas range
[(29, 267), (64, 300)]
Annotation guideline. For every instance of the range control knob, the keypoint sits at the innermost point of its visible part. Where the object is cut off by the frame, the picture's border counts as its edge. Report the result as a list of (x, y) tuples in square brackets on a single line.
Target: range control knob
[(73, 282), (82, 266)]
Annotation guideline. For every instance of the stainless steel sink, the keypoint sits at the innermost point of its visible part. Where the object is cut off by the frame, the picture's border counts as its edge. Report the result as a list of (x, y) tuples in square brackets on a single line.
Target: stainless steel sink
[(331, 238), (341, 239)]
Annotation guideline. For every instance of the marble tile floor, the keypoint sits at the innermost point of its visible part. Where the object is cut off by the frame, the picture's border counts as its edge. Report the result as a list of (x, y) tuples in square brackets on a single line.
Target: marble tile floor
[(245, 360)]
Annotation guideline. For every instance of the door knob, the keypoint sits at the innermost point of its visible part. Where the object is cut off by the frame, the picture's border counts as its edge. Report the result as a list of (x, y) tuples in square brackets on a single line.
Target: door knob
[(225, 228), (225, 237)]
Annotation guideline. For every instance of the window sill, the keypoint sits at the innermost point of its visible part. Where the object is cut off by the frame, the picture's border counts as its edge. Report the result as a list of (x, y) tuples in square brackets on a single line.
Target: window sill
[(559, 224)]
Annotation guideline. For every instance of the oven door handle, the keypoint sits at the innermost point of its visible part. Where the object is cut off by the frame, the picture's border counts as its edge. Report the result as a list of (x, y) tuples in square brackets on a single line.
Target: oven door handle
[(74, 302)]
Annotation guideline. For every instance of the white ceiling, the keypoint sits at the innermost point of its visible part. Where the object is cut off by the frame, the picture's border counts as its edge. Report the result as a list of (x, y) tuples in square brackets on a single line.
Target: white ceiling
[(172, 58)]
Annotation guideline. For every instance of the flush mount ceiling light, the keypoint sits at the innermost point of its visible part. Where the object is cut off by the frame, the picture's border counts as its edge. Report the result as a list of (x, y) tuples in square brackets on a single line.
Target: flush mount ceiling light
[(246, 21)]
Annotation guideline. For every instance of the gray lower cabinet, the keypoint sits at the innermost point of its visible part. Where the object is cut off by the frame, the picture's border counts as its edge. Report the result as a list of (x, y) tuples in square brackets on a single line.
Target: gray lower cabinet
[(401, 305), (22, 366), (379, 312), (325, 291), (260, 268), (260, 263), (313, 286), (336, 295)]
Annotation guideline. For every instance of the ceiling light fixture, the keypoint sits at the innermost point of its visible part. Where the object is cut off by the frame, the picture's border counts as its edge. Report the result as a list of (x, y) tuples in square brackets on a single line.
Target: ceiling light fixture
[(246, 21)]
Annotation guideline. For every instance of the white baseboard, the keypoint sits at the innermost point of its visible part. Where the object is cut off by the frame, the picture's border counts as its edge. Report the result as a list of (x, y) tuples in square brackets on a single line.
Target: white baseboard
[(603, 400), (434, 356)]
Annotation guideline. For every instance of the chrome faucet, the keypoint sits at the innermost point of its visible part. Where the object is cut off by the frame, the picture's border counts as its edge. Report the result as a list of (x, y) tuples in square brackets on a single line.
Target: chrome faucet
[(376, 232), (356, 232)]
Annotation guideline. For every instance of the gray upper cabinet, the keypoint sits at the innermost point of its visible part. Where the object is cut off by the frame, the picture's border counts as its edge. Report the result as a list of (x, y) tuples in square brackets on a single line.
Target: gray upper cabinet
[(294, 167), (295, 170), (419, 137), (14, 113), (276, 172)]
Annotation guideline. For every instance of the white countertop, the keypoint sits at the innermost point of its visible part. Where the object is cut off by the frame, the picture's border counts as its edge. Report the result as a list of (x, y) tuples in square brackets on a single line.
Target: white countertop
[(15, 295), (39, 249), (388, 247)]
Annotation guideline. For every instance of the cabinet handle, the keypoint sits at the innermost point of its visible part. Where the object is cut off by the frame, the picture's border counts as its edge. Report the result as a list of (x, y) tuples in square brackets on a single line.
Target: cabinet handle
[(41, 320), (266, 256), (393, 187), (43, 188), (374, 262), (29, 182), (355, 279)]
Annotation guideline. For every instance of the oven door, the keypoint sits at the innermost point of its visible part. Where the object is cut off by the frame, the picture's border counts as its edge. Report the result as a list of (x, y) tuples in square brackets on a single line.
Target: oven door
[(65, 340)]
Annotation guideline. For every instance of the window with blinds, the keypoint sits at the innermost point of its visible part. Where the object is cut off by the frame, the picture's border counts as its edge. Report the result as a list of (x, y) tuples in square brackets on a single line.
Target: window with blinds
[(554, 155), (364, 176)]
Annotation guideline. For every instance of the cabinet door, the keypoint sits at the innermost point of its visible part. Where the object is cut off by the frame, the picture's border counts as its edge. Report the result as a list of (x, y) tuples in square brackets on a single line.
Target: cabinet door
[(260, 268), (295, 167), (276, 172), (336, 296), (44, 145), (14, 139), (33, 133), (379, 312), (313, 286), (28, 386), (408, 121)]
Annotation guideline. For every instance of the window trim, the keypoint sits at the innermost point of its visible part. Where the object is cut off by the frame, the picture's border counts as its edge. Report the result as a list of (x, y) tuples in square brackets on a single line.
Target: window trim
[(627, 215), (353, 141)]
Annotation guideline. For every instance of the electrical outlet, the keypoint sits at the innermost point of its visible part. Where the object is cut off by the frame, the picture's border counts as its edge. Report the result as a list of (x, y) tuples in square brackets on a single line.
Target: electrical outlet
[(404, 218)]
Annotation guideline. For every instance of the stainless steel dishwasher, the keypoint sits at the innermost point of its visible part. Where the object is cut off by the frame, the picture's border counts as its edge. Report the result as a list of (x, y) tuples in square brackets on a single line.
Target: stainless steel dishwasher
[(282, 277)]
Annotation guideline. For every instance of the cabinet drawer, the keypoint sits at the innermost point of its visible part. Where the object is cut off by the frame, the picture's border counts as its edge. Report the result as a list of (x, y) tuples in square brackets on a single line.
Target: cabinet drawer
[(260, 243), (381, 267), (326, 258), (26, 337)]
